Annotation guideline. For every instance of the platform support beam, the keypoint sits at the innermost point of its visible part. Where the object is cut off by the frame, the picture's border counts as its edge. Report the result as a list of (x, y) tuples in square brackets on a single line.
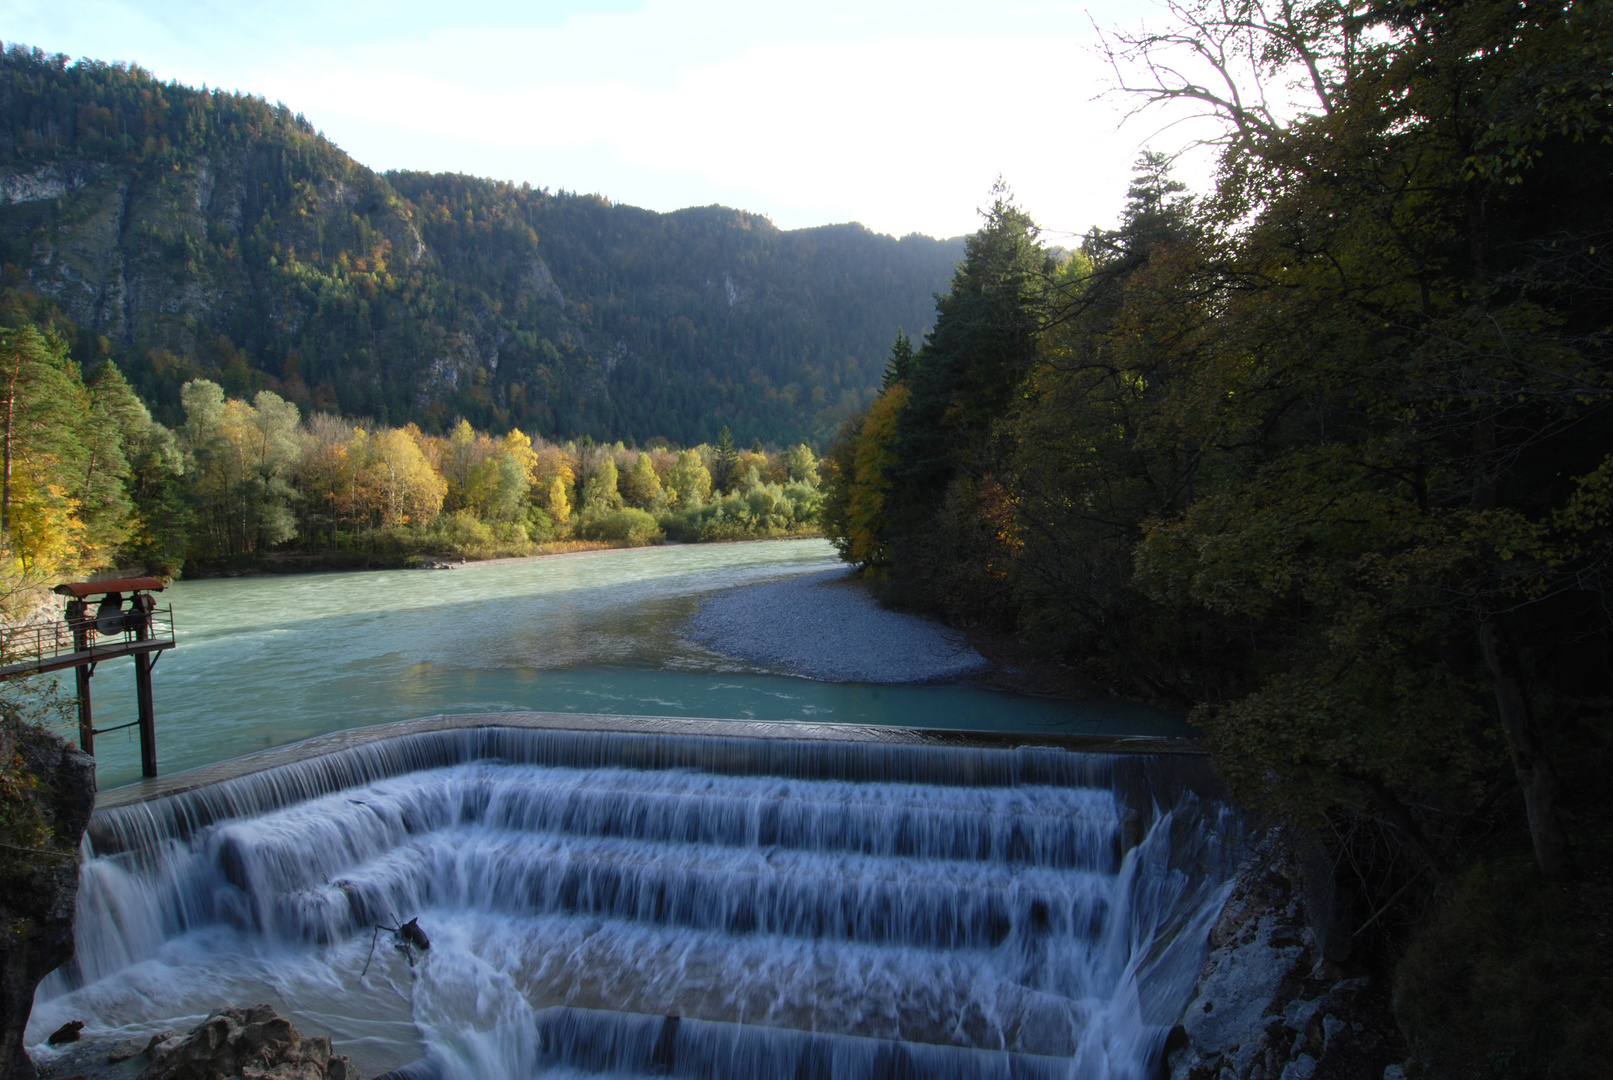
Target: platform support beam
[(148, 711), (148, 714), (86, 718), (81, 643)]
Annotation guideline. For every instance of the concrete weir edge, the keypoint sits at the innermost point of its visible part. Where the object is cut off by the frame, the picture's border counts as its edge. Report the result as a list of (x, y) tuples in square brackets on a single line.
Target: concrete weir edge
[(333, 742)]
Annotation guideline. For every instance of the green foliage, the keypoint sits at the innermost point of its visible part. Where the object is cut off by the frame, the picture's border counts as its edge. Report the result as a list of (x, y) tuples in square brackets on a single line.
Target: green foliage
[(753, 509), (1324, 458), (599, 492), (984, 342), (802, 464), (462, 533), (541, 526), (89, 479), (154, 463), (643, 487), (1283, 455), (723, 458), (922, 481), (244, 455), (899, 367), (689, 480), (628, 525), (1505, 981)]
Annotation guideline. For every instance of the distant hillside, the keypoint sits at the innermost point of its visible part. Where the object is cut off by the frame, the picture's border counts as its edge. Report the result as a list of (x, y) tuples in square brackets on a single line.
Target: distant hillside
[(184, 233)]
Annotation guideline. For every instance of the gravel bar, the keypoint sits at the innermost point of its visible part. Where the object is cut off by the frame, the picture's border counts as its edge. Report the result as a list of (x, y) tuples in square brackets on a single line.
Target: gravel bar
[(826, 627)]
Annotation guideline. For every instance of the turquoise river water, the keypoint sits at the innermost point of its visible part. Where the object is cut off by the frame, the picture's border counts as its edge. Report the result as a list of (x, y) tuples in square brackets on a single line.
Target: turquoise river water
[(270, 660)]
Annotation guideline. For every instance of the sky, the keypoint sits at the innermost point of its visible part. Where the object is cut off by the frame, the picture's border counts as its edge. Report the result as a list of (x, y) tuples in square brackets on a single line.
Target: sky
[(896, 114)]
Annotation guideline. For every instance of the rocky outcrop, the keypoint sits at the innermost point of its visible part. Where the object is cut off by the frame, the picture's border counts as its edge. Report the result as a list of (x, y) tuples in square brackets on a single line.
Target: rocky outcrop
[(1268, 1005), (48, 790), (254, 1044)]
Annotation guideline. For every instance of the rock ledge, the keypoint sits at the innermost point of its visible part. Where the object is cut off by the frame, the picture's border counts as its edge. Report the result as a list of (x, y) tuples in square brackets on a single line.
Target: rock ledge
[(255, 1044)]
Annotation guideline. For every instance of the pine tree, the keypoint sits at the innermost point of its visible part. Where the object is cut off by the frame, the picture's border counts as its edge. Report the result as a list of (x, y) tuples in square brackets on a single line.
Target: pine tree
[(985, 341), (899, 366), (722, 461)]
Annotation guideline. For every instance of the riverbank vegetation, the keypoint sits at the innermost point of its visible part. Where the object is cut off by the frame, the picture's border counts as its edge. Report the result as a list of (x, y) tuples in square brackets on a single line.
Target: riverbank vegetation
[(94, 483), (1323, 456)]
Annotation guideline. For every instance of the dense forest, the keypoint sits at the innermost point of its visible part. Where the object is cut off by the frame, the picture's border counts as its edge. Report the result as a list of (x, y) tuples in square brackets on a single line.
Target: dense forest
[(189, 234), (93, 483), (1325, 457)]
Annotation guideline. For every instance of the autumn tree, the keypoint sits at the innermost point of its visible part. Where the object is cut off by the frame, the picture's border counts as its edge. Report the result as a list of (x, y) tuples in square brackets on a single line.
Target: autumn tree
[(689, 480), (599, 492), (864, 536), (45, 460), (642, 488), (411, 492)]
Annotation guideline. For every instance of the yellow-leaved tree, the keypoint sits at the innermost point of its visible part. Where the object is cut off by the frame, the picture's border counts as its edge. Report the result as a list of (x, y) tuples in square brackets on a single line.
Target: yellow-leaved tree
[(63, 510), (405, 488), (865, 540)]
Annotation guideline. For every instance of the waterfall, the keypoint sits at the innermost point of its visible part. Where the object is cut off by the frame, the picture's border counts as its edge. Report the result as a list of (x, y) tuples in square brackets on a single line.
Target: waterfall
[(635, 904)]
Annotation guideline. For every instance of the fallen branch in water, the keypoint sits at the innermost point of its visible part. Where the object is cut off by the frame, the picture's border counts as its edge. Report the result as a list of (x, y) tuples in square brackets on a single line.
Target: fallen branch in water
[(409, 937)]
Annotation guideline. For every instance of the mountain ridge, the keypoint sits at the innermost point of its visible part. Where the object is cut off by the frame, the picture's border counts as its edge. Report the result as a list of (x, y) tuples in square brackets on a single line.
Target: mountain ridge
[(187, 233)]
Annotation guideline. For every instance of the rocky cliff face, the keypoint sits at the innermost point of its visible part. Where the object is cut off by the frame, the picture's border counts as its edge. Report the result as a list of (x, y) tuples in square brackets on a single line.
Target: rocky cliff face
[(49, 792), (150, 259), (1269, 1005)]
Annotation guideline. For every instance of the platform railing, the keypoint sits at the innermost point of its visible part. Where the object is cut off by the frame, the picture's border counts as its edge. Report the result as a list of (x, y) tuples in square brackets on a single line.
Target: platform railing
[(55, 644)]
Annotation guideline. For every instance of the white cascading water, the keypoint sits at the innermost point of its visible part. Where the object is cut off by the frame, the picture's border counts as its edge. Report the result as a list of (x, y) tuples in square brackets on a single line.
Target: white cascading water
[(802, 909)]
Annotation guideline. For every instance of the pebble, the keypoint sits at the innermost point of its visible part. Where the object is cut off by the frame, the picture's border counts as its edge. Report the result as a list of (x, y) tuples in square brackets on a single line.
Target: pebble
[(825, 627)]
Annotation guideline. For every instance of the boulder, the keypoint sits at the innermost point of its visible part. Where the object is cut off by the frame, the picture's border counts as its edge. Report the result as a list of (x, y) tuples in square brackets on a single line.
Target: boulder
[(67, 1033), (49, 792), (254, 1044), (128, 1048)]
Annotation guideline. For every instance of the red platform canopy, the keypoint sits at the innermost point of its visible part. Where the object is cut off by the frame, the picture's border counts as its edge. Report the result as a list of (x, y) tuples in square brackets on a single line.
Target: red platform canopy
[(82, 589)]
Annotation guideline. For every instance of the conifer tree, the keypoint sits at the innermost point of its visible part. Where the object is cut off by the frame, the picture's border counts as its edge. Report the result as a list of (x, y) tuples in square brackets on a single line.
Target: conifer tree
[(723, 459), (899, 366), (984, 342)]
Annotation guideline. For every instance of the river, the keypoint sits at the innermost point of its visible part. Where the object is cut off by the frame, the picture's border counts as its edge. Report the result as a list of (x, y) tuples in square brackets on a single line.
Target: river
[(265, 661)]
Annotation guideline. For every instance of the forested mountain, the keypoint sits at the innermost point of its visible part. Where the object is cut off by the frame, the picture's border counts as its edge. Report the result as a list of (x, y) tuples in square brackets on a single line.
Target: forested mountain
[(193, 233)]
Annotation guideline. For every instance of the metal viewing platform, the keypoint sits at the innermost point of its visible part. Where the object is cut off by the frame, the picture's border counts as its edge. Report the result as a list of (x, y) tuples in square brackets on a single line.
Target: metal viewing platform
[(81, 639)]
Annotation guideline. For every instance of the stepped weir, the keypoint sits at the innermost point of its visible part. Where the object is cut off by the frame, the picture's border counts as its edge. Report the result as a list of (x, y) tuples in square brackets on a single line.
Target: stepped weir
[(635, 898)]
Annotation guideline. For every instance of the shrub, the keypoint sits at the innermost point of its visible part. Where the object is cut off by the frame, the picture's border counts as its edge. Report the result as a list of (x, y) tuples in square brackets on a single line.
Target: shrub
[(461, 533), (626, 526), (1504, 981), (756, 510), (540, 525)]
